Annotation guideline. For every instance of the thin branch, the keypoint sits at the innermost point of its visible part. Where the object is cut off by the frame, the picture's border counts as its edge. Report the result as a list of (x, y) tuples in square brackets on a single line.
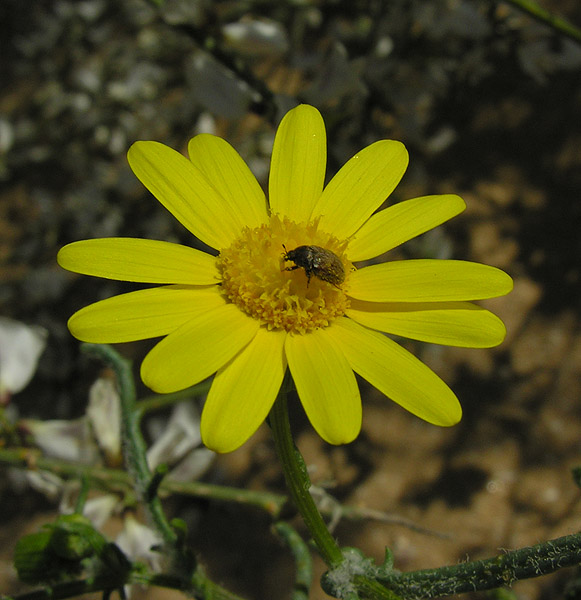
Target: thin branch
[(115, 480), (199, 586), (303, 560), (548, 18)]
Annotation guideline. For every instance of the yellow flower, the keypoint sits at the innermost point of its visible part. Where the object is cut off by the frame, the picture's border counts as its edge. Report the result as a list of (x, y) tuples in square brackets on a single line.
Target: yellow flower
[(246, 316)]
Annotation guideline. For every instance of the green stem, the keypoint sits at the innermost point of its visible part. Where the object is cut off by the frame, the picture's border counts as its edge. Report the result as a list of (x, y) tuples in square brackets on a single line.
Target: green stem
[(303, 560), (544, 16), (83, 495), (298, 482), (199, 586), (133, 442), (115, 480), (490, 573), (369, 589), (68, 589), (267, 501)]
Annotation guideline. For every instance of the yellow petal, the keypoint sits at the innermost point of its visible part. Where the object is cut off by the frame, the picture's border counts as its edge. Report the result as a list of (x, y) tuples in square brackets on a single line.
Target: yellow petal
[(448, 323), (360, 187), (326, 385), (197, 349), (243, 392), (185, 192), (143, 314), (428, 280), (402, 222), (298, 163), (143, 261), (396, 373), (230, 176)]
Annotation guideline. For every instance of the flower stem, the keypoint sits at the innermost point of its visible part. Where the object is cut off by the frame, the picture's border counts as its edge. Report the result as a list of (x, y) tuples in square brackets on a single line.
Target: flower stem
[(133, 443), (298, 481)]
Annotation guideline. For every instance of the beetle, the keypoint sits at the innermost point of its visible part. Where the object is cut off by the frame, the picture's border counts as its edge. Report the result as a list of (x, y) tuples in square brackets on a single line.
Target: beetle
[(317, 261)]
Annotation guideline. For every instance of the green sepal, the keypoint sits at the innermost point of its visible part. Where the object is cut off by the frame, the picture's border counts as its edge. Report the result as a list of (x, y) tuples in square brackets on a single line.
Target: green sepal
[(75, 538), (36, 563), (58, 552), (385, 570)]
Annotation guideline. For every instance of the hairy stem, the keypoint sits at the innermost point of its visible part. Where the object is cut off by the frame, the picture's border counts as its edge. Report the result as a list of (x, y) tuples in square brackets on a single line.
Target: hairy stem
[(490, 573), (299, 483)]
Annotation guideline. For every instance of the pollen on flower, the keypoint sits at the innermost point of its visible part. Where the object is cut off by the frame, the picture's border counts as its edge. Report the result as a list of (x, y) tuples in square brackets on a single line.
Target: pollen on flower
[(254, 277)]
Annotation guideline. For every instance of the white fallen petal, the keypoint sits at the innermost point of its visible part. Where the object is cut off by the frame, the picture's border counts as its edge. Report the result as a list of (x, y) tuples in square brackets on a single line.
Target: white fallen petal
[(66, 440), (46, 483), (99, 509), (180, 435), (138, 542), (193, 466), (20, 348), (104, 414)]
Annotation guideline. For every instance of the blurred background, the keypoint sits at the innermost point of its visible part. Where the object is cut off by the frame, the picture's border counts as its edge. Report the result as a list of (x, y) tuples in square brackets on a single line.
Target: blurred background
[(488, 103)]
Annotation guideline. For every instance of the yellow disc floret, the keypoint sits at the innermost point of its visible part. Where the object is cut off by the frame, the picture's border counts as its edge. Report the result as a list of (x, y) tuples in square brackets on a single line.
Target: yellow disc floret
[(257, 278)]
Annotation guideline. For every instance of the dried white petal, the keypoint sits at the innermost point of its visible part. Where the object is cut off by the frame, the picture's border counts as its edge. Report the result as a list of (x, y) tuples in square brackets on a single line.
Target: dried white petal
[(136, 542), (180, 435), (193, 466), (20, 349), (66, 440), (99, 509), (104, 414), (46, 483)]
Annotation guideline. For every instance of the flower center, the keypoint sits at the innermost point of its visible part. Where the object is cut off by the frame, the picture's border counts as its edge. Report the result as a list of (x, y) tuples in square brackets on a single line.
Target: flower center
[(256, 276)]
